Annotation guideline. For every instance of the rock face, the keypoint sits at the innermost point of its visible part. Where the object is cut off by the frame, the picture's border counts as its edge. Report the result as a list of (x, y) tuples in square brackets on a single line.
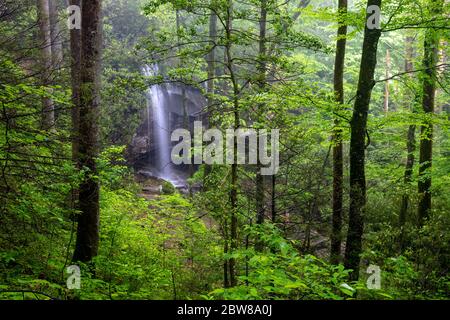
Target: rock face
[(183, 104)]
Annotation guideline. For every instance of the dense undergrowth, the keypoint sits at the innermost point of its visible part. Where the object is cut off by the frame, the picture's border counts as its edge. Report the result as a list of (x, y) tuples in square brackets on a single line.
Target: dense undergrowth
[(163, 249)]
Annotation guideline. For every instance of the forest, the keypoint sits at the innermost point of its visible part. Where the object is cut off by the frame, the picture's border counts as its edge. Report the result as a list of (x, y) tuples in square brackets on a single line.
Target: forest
[(224, 149)]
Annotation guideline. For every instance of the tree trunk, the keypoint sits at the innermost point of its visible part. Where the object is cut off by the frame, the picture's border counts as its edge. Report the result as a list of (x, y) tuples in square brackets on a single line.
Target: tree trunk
[(88, 222), (226, 267), (358, 127), (410, 144), (273, 198), (75, 55), (338, 170), (229, 65), (48, 110), (430, 59), (210, 60), (55, 34), (260, 212), (387, 83)]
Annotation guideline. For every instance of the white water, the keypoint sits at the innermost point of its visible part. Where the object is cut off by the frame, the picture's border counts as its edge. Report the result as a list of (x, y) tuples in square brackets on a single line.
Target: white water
[(161, 132)]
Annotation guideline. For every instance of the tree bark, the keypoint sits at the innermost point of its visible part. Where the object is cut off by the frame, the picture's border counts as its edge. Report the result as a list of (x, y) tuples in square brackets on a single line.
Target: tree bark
[(211, 62), (226, 267), (88, 222), (48, 110), (260, 212), (410, 142), (387, 83), (358, 127), (431, 45), (338, 169), (229, 65), (55, 34), (273, 198), (211, 73), (75, 55)]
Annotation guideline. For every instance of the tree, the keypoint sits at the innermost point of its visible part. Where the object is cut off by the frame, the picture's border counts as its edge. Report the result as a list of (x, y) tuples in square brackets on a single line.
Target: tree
[(88, 222), (211, 72), (48, 112), (430, 58), (55, 35), (75, 55), (358, 126), (338, 170), (410, 143), (387, 83), (229, 65), (261, 67), (210, 60)]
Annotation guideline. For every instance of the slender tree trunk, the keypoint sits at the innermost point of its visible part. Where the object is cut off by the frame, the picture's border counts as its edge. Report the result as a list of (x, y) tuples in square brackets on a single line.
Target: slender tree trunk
[(234, 183), (211, 63), (226, 267), (88, 222), (273, 199), (75, 55), (48, 110), (260, 212), (55, 34), (338, 166), (387, 83), (211, 57), (431, 45), (358, 126), (410, 143)]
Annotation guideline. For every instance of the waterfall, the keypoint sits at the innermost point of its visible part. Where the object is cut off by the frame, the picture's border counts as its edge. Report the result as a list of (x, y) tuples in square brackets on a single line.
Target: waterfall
[(161, 132)]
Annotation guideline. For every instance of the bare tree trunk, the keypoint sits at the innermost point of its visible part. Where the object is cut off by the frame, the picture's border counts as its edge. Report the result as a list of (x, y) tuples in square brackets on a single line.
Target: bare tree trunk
[(88, 222), (338, 166), (48, 110), (358, 126), (430, 59)]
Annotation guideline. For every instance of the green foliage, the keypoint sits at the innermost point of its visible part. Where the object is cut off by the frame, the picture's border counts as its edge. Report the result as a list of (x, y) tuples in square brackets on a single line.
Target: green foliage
[(168, 188), (112, 167), (416, 274), (171, 246), (280, 272)]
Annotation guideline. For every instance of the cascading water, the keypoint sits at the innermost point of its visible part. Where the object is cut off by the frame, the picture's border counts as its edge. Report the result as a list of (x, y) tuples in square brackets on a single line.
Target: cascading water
[(161, 132)]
